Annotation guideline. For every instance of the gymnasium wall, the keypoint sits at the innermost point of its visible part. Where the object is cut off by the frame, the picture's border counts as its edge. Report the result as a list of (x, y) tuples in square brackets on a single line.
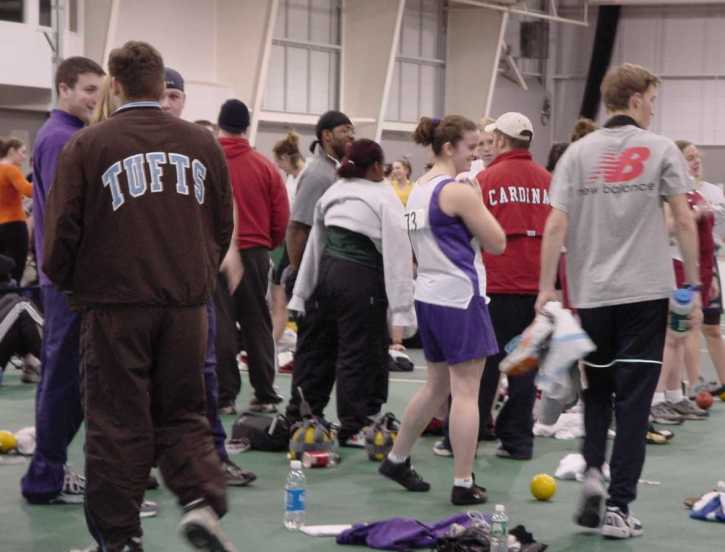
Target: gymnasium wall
[(685, 47)]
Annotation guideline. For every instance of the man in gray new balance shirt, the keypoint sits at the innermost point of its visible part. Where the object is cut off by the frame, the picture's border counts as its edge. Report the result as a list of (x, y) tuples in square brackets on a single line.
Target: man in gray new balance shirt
[(607, 196)]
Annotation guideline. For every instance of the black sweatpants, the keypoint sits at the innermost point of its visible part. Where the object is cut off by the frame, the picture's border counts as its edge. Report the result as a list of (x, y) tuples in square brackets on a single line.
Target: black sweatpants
[(343, 337), (227, 344), (145, 403), (255, 322), (22, 337), (14, 243), (510, 315), (622, 376)]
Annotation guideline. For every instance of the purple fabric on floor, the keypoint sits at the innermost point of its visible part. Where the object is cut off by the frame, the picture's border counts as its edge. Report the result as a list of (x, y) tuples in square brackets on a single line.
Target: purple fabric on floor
[(404, 533)]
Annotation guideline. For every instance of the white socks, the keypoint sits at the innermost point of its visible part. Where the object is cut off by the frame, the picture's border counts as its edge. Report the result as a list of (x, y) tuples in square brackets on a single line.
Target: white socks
[(658, 398), (674, 396), (466, 482), (395, 459)]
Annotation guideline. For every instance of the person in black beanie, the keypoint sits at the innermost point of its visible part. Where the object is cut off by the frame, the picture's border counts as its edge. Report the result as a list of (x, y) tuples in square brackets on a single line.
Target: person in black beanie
[(263, 208)]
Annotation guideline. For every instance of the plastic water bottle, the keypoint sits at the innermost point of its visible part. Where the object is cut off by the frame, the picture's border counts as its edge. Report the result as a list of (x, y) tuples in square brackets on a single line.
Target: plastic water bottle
[(499, 530), (681, 304), (294, 497)]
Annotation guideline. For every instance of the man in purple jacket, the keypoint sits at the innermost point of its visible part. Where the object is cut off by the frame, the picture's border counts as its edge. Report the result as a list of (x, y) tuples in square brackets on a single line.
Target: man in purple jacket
[(58, 407)]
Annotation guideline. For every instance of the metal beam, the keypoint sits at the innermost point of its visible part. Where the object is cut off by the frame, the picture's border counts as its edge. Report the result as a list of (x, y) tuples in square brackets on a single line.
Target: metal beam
[(584, 22), (263, 70)]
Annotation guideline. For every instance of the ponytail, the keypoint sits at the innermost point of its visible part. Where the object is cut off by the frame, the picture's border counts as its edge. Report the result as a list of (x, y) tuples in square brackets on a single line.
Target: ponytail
[(359, 157)]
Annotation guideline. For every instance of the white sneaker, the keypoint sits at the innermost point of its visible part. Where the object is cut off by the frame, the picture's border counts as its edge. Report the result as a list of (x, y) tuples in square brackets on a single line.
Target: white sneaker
[(355, 441), (591, 503), (201, 529), (443, 448), (618, 525), (149, 509), (74, 489)]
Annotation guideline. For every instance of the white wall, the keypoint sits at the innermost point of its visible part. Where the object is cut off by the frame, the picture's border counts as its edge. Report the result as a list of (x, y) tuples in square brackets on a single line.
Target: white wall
[(184, 31), (27, 55), (684, 46)]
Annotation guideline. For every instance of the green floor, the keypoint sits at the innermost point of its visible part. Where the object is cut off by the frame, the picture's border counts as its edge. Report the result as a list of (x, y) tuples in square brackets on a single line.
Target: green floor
[(352, 492)]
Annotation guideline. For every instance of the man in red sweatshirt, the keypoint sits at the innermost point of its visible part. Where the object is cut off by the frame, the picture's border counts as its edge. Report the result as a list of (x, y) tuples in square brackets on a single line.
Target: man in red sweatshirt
[(516, 191), (263, 208)]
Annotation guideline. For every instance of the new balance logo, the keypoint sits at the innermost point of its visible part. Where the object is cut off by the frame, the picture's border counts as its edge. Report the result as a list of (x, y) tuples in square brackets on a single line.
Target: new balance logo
[(623, 167)]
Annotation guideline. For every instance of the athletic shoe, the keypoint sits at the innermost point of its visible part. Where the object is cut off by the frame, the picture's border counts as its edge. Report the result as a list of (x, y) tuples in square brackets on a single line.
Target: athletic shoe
[(715, 389), (236, 476), (688, 411), (591, 502), (73, 491), (264, 408), (31, 370), (200, 527), (501, 452), (443, 448), (662, 414), (467, 496), (149, 509), (657, 436), (404, 474), (228, 410), (354, 441), (618, 525)]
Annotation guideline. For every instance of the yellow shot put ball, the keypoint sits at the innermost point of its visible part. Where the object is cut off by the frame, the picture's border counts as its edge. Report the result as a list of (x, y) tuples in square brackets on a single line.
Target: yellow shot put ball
[(543, 486)]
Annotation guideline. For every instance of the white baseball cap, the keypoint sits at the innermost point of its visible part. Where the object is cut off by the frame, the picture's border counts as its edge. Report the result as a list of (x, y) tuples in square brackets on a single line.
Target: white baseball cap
[(512, 124)]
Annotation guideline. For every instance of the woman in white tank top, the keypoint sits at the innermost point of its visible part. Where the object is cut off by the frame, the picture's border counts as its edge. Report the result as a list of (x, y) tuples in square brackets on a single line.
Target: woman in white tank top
[(448, 224)]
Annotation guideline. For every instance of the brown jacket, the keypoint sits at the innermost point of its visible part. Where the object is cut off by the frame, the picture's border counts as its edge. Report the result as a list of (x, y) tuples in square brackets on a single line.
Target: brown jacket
[(140, 212)]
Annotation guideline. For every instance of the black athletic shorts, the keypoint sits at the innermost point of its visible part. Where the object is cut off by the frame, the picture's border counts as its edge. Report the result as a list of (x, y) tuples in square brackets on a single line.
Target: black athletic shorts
[(626, 333), (713, 310), (280, 268)]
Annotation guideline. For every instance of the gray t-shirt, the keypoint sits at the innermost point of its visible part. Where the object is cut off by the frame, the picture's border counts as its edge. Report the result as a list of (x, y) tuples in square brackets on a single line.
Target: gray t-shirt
[(612, 184), (319, 174)]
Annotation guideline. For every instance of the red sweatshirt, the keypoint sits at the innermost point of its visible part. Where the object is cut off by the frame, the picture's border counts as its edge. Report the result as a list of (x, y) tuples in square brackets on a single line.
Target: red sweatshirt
[(516, 191), (259, 193)]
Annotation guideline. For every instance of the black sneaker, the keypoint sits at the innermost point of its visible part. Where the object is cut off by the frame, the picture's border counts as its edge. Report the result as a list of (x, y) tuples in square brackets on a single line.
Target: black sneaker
[(467, 496), (405, 475)]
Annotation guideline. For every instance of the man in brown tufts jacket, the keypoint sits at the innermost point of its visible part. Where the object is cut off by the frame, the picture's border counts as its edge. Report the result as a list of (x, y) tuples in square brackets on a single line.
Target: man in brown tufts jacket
[(137, 222)]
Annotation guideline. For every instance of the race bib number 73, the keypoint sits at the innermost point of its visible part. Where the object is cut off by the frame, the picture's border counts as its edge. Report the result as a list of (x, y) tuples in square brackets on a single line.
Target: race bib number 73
[(415, 220)]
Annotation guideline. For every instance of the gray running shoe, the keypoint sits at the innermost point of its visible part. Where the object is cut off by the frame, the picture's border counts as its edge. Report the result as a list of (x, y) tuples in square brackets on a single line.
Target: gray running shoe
[(590, 511), (688, 410), (661, 413), (201, 529)]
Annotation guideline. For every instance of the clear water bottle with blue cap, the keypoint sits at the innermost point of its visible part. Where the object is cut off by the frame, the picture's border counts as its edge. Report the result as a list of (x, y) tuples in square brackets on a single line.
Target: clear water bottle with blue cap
[(682, 303), (294, 497)]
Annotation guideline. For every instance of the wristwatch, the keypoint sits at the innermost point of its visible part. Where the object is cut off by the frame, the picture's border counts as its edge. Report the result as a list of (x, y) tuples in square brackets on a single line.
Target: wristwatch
[(693, 287)]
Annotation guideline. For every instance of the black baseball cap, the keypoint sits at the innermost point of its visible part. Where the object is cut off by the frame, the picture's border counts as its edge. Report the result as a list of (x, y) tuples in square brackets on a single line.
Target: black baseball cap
[(173, 79)]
